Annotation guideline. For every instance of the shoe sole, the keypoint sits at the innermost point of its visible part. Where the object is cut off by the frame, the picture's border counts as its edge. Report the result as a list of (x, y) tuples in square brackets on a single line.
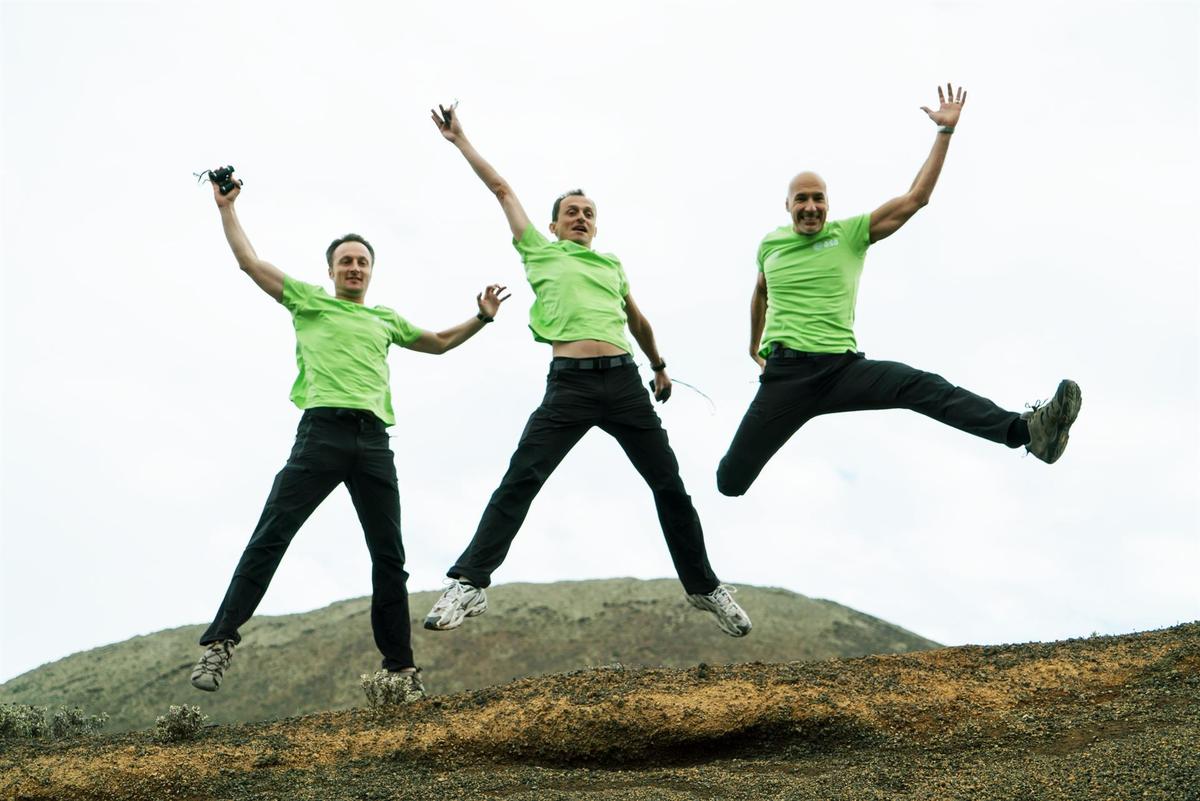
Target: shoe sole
[(1070, 399), (731, 630)]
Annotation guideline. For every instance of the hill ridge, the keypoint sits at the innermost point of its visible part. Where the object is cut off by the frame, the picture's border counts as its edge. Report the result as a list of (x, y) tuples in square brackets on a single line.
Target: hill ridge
[(1097, 717), (310, 661)]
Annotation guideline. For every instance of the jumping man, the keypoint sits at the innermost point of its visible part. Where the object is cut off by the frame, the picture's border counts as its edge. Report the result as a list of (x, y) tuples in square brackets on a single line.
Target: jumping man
[(582, 305), (802, 333), (344, 389)]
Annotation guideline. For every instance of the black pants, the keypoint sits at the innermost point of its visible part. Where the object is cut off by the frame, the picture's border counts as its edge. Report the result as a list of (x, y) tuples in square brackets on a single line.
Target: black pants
[(577, 399), (792, 391), (332, 446)]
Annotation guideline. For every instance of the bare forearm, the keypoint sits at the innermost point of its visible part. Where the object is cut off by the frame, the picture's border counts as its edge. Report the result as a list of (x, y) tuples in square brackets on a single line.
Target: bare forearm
[(486, 172), (643, 334), (268, 277), (452, 337), (927, 177), (758, 319), (239, 243)]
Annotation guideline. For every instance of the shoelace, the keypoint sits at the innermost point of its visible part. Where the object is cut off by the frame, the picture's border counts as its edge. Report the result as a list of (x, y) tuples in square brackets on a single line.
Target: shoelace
[(215, 657), (725, 599), (455, 589)]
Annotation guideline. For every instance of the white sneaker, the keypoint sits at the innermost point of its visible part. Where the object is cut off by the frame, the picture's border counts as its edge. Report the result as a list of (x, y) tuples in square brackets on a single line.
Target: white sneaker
[(732, 619), (212, 666), (458, 602)]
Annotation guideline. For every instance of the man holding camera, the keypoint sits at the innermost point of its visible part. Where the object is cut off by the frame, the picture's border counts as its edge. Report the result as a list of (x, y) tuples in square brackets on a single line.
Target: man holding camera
[(802, 333), (581, 308), (344, 388)]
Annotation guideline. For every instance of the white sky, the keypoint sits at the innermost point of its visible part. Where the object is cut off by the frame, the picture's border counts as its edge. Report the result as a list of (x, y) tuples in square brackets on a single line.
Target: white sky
[(145, 379)]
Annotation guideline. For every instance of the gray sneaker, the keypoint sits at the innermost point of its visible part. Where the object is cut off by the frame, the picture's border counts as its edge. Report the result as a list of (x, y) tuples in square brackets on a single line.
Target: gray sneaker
[(411, 685), (212, 666), (732, 619), (459, 602), (387, 689), (1050, 422)]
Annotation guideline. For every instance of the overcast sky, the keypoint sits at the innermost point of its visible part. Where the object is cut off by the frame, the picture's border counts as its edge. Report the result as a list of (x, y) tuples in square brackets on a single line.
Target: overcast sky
[(145, 379)]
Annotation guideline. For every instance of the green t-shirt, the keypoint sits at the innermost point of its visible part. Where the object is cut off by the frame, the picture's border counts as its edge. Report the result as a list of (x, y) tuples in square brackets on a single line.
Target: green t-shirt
[(812, 285), (341, 350), (578, 293)]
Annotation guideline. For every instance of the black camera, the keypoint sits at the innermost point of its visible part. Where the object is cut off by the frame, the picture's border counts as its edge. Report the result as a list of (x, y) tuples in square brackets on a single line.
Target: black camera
[(223, 178)]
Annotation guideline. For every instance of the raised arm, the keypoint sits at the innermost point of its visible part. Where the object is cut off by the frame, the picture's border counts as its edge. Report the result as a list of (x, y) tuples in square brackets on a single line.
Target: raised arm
[(489, 302), (758, 318), (447, 121), (888, 218), (268, 277), (639, 326)]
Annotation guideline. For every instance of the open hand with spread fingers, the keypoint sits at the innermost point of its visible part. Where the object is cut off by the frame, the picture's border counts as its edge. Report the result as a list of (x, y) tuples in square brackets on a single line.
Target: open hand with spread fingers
[(951, 104), (489, 300)]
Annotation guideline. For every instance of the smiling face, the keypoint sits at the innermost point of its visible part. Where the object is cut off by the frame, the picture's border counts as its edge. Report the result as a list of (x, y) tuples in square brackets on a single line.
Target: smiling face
[(350, 269), (807, 203), (576, 220)]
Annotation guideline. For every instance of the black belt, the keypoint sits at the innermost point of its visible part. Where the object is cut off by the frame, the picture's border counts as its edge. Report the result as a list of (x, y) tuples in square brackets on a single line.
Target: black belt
[(595, 363), (779, 351), (359, 417)]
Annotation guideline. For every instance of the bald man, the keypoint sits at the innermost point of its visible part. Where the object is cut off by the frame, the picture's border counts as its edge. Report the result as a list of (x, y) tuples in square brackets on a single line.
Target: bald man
[(802, 333)]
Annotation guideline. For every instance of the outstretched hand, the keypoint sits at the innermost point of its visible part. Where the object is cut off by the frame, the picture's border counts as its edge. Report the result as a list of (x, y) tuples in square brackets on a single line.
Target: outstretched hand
[(489, 300), (446, 119), (951, 104)]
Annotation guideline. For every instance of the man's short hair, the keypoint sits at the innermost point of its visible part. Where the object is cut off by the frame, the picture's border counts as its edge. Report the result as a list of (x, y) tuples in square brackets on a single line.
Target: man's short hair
[(558, 202), (348, 238)]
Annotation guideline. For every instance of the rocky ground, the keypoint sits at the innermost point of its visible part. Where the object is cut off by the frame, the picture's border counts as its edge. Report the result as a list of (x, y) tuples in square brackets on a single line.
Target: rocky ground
[(1100, 718)]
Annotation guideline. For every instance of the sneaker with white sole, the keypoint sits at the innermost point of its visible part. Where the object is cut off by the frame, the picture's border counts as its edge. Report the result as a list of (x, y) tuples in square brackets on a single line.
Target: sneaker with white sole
[(211, 668), (1050, 422), (410, 682), (459, 602), (388, 689), (732, 619)]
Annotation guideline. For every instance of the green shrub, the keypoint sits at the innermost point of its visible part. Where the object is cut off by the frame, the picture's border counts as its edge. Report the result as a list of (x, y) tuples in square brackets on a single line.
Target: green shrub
[(23, 721), (182, 722)]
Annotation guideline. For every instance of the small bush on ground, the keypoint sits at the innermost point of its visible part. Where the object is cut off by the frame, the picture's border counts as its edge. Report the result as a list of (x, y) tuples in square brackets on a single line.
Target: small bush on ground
[(23, 721), (182, 722)]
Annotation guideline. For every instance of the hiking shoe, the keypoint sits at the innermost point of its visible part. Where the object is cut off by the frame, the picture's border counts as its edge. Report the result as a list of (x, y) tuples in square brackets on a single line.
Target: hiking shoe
[(732, 619), (460, 601), (212, 666), (1049, 422), (409, 686), (387, 689)]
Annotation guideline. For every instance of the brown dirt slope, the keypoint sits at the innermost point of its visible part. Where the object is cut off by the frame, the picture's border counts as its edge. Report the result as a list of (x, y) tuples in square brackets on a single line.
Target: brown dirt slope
[(299, 664), (1104, 717)]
